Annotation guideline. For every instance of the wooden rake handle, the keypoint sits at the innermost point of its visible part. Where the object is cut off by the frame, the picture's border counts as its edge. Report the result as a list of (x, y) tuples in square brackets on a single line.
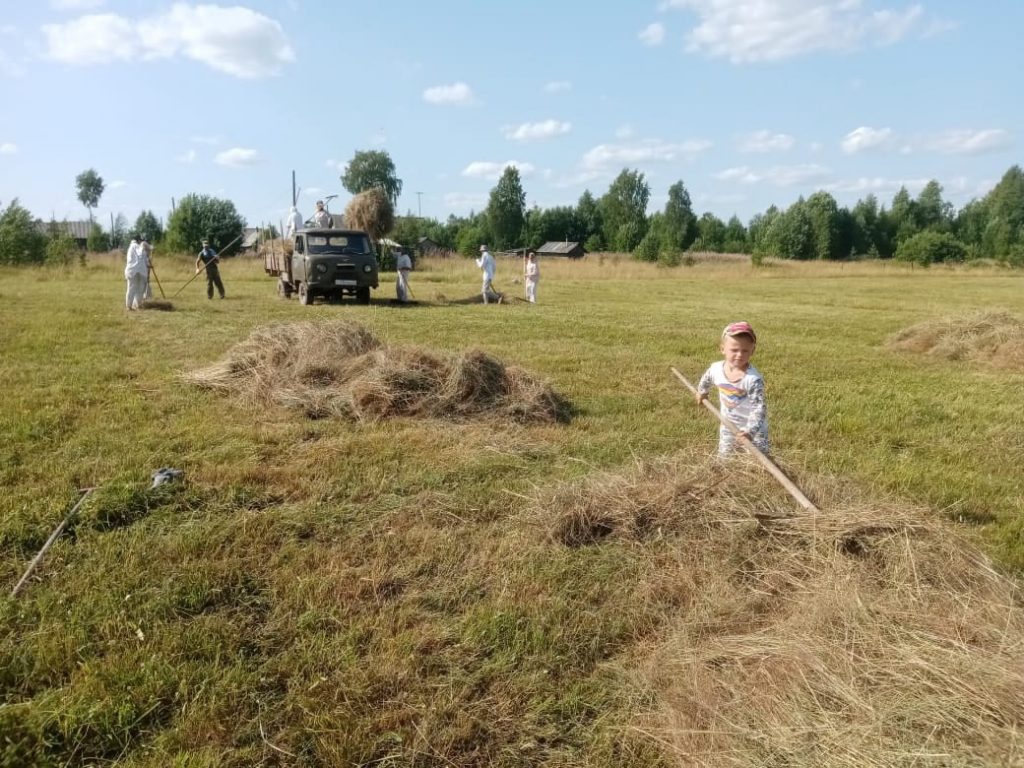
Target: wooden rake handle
[(85, 493), (771, 466)]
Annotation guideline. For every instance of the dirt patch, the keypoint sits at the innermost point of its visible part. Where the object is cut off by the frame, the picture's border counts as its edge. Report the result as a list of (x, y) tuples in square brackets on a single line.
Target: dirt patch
[(341, 369), (867, 635), (995, 338)]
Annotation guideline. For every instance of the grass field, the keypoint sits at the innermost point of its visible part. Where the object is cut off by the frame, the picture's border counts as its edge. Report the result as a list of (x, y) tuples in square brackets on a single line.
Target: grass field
[(324, 592)]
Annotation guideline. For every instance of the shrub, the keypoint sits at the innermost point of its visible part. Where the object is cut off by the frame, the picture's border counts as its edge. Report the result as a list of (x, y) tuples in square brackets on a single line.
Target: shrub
[(21, 242), (931, 248), (61, 248), (202, 216), (97, 242)]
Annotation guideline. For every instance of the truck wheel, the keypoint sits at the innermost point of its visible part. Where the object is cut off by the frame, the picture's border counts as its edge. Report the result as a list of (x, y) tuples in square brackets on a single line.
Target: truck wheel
[(305, 297), (363, 295)]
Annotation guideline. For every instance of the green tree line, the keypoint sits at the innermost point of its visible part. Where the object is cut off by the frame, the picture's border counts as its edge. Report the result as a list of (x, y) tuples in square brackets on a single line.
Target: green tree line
[(924, 229)]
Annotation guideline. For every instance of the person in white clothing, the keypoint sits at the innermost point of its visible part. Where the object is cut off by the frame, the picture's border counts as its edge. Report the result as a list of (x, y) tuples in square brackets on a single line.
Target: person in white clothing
[(403, 265), (740, 389), (322, 218), (136, 270), (488, 267), (531, 271), (294, 223)]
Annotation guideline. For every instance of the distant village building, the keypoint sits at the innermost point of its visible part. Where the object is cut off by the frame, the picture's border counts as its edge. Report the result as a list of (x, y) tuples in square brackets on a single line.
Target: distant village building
[(76, 230), (426, 246), (561, 248), (250, 238)]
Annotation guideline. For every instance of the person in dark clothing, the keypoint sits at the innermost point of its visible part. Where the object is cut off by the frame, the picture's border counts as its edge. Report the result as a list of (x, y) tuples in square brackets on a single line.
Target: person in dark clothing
[(209, 257)]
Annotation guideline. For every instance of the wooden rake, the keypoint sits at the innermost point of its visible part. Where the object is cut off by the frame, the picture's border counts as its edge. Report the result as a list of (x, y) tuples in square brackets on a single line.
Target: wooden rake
[(768, 464)]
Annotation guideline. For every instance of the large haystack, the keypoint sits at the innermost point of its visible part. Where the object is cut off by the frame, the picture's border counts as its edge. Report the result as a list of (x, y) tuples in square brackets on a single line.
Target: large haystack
[(865, 636), (340, 368), (371, 211), (987, 337)]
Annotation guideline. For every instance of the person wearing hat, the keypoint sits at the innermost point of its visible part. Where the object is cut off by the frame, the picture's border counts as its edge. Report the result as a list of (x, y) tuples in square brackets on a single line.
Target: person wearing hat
[(488, 267), (136, 270), (209, 259), (322, 218), (740, 389)]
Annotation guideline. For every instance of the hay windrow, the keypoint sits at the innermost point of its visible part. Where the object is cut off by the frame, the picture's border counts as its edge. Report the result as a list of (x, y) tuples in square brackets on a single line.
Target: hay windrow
[(986, 337), (868, 635), (341, 369)]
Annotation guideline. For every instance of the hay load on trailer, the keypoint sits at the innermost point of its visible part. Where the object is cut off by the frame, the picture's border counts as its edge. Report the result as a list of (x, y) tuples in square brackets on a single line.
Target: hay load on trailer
[(329, 263)]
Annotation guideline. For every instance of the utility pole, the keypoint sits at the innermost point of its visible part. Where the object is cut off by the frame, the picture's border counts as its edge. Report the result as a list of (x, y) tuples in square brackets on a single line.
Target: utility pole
[(419, 205)]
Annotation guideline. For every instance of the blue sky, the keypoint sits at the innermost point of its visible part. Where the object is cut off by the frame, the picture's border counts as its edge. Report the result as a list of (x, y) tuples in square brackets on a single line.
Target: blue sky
[(749, 102)]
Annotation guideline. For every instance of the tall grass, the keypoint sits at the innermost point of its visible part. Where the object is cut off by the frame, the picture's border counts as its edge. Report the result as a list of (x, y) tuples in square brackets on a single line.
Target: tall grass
[(329, 592)]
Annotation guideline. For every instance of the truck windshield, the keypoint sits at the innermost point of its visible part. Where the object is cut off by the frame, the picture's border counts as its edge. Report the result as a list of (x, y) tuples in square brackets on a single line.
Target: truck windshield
[(357, 244)]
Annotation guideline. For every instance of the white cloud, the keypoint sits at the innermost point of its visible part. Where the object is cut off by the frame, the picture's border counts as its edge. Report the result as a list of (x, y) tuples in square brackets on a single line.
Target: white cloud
[(769, 30), (532, 131), (653, 34), (464, 202), (457, 93), (741, 173), (237, 157), (557, 86), (188, 157), (864, 138), (968, 142), (877, 185), (952, 142), (8, 148), (605, 156), (234, 40), (779, 175), (118, 184), (93, 40), (481, 169), (766, 141), (76, 5)]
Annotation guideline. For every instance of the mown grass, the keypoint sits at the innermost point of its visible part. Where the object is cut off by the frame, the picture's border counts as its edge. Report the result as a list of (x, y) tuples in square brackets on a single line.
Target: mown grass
[(320, 592)]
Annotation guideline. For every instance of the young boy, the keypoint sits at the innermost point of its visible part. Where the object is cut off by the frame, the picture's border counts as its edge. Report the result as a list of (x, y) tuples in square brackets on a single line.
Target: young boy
[(740, 389)]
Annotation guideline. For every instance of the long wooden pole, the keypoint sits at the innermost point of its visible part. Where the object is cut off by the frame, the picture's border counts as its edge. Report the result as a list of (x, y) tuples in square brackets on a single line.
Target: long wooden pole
[(771, 466), (153, 270), (49, 542), (205, 265)]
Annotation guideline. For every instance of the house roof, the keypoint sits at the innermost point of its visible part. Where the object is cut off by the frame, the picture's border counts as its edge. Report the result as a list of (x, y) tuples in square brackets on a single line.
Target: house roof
[(559, 246), (79, 230), (249, 237)]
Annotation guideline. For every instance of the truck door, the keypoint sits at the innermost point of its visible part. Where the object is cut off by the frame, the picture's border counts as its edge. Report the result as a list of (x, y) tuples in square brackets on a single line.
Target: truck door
[(299, 260)]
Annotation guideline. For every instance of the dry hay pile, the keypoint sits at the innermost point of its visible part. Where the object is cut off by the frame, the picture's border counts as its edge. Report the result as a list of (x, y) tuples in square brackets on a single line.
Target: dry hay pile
[(340, 368), (371, 211), (161, 305), (864, 636), (989, 337)]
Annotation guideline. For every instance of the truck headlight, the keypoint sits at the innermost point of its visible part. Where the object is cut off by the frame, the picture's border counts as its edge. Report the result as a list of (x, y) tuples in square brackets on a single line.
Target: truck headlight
[(367, 268), (321, 268)]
